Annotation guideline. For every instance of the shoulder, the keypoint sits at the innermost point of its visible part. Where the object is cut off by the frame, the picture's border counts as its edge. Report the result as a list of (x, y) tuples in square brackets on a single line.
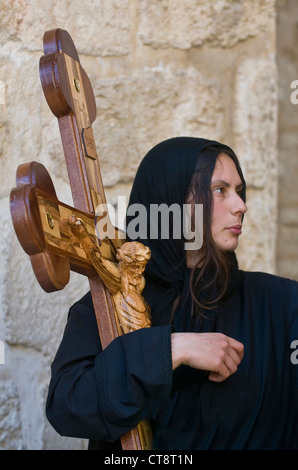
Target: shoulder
[(271, 296), (82, 313), (85, 303), (272, 282), (259, 276), (81, 326)]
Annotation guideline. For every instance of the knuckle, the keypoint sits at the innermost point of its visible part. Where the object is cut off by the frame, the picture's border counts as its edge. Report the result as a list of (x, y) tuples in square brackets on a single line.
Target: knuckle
[(218, 361), (224, 344), (221, 336)]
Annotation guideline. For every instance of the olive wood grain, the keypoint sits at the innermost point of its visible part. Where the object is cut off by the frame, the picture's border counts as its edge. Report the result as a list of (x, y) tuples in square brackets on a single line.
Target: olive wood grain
[(38, 216)]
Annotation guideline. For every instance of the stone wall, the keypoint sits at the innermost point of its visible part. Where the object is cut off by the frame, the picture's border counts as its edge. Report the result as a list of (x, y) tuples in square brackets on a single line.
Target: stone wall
[(159, 69), (287, 61)]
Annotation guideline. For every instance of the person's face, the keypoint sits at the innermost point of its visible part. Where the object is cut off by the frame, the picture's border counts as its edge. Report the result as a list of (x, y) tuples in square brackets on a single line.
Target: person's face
[(228, 207), (134, 273)]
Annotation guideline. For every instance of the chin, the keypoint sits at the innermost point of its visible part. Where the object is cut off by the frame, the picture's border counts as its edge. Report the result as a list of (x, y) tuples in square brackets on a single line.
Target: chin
[(228, 246), (233, 248)]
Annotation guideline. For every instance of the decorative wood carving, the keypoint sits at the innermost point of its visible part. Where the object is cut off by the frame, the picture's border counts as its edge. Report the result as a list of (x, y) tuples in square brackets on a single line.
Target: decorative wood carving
[(59, 238)]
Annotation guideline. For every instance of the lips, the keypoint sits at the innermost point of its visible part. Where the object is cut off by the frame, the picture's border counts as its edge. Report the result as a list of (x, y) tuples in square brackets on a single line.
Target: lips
[(236, 229)]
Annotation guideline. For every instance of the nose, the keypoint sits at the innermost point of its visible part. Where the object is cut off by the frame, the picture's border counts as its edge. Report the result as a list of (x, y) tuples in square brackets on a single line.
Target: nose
[(239, 206), (139, 269)]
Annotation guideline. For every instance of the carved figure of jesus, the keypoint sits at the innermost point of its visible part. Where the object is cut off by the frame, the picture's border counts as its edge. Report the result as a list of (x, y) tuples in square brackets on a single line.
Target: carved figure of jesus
[(124, 279)]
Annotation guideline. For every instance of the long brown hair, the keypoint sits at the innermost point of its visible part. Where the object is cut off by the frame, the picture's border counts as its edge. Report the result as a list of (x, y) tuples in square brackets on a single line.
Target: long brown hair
[(209, 278)]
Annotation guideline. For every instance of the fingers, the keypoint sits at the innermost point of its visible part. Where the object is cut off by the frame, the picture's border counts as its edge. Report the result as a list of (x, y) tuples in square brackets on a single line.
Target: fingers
[(213, 352), (227, 368), (229, 359)]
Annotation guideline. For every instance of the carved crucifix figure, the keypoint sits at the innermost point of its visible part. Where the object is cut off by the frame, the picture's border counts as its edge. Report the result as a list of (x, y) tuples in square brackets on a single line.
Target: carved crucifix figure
[(58, 237), (124, 280)]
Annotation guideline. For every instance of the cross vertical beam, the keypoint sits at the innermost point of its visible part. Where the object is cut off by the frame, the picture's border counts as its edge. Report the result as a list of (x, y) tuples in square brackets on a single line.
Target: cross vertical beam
[(70, 97)]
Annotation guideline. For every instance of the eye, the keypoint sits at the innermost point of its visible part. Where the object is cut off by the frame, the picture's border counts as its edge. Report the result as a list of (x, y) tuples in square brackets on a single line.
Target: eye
[(218, 190)]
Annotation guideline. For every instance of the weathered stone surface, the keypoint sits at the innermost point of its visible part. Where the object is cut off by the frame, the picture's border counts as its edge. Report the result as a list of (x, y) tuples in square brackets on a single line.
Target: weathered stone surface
[(255, 128), (257, 244), (288, 188), (193, 23), (10, 419), (100, 27), (287, 59), (20, 118), (255, 121), (137, 111)]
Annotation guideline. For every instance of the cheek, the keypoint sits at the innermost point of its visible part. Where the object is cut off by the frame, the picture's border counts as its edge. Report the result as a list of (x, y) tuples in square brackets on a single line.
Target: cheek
[(216, 216)]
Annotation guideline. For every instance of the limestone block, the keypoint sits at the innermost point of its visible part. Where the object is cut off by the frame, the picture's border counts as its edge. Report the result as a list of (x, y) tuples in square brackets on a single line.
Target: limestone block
[(137, 111), (27, 367), (255, 121), (256, 251), (98, 27), (10, 420), (190, 23), (28, 129), (288, 188), (255, 128), (20, 117)]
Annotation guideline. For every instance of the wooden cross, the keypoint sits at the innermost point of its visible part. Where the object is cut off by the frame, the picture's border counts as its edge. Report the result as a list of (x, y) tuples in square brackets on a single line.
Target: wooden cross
[(39, 218)]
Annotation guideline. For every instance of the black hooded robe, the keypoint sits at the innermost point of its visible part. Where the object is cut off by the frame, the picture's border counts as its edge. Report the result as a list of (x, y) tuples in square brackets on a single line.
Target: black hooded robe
[(100, 395)]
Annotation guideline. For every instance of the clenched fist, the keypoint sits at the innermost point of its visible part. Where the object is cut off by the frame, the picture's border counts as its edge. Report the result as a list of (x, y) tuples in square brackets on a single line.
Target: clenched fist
[(214, 352)]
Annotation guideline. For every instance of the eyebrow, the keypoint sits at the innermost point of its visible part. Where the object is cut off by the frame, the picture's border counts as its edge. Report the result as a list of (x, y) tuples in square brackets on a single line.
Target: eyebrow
[(226, 184)]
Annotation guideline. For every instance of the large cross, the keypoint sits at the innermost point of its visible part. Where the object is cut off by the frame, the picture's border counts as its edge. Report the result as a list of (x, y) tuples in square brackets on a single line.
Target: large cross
[(40, 219)]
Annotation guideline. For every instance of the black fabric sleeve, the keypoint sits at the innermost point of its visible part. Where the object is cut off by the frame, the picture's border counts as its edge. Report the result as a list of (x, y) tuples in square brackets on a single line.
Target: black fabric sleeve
[(100, 395)]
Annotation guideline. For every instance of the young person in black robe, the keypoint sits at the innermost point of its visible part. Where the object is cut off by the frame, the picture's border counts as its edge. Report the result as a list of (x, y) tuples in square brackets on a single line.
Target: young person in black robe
[(216, 370)]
